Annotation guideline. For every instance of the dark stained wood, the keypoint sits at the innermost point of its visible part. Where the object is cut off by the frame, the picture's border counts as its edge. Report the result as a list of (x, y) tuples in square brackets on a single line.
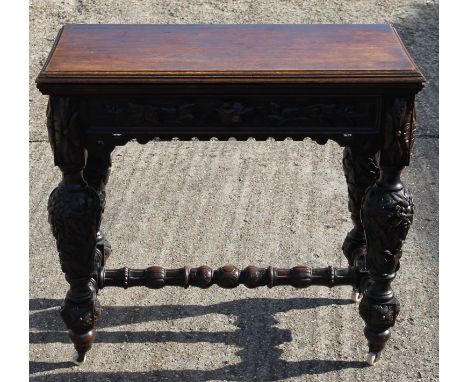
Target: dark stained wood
[(354, 84), (109, 54), (387, 214), (225, 116), (229, 277)]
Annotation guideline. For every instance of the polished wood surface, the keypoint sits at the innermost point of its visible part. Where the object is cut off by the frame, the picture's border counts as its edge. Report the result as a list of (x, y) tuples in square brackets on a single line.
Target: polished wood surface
[(296, 53)]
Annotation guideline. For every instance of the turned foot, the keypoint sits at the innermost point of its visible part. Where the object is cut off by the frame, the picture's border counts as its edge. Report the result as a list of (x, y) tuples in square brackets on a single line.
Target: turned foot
[(372, 358), (376, 341), (78, 358), (80, 311), (83, 343)]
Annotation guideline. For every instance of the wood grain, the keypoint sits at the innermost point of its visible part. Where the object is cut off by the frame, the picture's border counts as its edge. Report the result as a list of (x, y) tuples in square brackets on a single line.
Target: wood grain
[(244, 53)]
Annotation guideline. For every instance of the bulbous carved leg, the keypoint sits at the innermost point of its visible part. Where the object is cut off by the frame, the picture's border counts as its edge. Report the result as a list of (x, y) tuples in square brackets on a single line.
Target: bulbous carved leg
[(75, 211), (361, 172), (74, 215), (96, 173), (387, 214)]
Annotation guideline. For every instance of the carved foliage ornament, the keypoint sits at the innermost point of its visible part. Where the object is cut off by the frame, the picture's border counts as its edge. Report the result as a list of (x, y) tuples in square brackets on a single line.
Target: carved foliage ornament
[(65, 134), (74, 215), (81, 317), (379, 316), (131, 113), (254, 111), (387, 216), (361, 171), (399, 132)]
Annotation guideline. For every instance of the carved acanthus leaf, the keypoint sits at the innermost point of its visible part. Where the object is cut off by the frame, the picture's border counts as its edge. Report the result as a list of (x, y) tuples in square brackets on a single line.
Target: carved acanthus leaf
[(399, 132), (65, 134)]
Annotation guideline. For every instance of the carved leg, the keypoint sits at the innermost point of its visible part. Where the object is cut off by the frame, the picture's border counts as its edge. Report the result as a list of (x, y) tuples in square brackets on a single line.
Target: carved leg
[(74, 214), (361, 171), (387, 214), (96, 174)]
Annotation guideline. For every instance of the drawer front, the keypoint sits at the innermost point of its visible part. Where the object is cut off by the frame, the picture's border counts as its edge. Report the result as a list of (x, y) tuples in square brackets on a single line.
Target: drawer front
[(234, 116)]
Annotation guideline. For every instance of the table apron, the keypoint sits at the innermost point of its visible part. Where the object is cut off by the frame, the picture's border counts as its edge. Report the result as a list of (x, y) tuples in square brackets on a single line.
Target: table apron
[(224, 116)]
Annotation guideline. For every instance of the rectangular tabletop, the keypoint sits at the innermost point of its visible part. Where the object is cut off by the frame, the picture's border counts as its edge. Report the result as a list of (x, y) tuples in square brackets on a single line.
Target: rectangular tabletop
[(228, 53)]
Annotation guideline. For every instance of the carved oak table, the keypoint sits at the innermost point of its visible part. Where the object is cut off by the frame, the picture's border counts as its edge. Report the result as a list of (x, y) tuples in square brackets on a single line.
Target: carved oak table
[(354, 84)]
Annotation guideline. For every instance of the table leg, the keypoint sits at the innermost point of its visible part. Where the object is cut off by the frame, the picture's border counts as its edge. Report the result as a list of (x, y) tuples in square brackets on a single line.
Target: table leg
[(361, 171), (387, 214), (74, 214), (96, 174)]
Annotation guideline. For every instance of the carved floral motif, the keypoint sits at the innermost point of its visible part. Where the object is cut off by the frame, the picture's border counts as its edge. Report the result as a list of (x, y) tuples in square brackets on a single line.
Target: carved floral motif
[(379, 316), (65, 135), (361, 171), (400, 129), (74, 210), (255, 111), (321, 114), (234, 112), (387, 217), (387, 214)]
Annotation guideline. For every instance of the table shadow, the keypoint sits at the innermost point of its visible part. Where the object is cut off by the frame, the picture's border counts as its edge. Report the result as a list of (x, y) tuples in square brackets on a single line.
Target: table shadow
[(257, 337)]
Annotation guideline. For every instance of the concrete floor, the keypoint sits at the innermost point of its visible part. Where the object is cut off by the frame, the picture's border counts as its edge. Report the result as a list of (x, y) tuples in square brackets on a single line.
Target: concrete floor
[(211, 203)]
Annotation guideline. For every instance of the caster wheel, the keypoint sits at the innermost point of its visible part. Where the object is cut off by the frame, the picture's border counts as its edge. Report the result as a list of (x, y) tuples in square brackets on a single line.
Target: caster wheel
[(356, 296), (372, 358), (78, 359)]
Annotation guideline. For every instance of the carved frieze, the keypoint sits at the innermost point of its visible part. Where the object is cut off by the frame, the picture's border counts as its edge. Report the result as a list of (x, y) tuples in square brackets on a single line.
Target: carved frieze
[(320, 114), (132, 113), (235, 112), (245, 114)]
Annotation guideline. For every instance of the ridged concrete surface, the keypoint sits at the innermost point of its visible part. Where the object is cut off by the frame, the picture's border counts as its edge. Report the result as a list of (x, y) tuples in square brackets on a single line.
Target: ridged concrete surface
[(279, 203)]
